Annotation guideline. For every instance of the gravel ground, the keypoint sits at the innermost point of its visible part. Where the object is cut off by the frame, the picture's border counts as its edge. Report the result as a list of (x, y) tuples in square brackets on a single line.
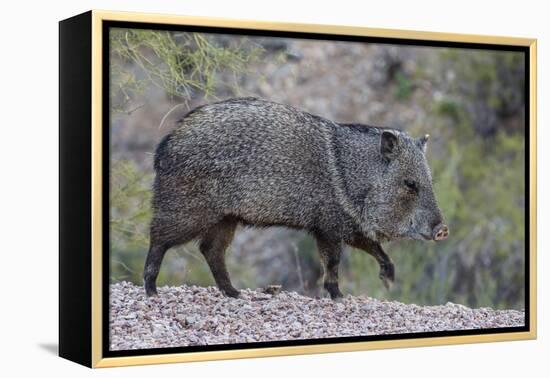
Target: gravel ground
[(192, 315)]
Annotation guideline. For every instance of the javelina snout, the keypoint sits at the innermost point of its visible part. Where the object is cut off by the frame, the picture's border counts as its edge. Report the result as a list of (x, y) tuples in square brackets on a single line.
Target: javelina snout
[(440, 232)]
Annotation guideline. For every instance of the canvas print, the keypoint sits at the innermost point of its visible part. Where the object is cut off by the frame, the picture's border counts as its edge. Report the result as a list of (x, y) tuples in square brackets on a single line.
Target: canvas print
[(269, 189)]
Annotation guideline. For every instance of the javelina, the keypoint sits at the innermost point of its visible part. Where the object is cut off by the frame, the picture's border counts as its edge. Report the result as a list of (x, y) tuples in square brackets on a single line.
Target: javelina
[(259, 163)]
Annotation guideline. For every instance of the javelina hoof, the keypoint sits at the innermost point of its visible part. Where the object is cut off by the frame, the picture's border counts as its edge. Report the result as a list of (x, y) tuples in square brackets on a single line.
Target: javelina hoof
[(231, 292), (387, 274), (150, 289), (337, 297), (333, 290)]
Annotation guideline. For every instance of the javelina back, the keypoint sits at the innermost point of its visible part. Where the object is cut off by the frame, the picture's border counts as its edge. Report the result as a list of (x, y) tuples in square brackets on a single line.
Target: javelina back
[(259, 163)]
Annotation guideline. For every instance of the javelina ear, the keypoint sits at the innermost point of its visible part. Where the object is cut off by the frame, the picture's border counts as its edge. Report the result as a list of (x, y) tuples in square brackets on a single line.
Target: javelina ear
[(423, 142), (388, 144)]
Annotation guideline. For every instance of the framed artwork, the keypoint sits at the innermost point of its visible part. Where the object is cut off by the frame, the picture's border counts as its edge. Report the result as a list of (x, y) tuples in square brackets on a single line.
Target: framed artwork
[(234, 189)]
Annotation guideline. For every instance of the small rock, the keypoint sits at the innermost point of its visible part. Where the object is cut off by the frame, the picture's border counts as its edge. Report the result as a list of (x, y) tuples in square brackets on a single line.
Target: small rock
[(272, 289)]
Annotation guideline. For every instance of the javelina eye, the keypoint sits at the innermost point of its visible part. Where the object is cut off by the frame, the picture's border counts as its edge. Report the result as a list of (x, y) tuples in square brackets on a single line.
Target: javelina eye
[(411, 185)]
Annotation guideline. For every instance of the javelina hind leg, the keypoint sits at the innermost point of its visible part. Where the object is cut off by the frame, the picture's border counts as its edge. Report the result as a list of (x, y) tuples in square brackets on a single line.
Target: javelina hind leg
[(152, 267), (163, 236), (373, 248), (213, 245), (330, 251)]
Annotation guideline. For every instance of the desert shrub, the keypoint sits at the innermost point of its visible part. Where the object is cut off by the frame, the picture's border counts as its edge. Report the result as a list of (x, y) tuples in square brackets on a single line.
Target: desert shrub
[(489, 85), (130, 197), (181, 64)]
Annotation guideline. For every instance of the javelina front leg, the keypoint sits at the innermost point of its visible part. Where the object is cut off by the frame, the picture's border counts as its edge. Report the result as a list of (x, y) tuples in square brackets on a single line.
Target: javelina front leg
[(330, 251), (387, 269), (373, 248), (213, 246)]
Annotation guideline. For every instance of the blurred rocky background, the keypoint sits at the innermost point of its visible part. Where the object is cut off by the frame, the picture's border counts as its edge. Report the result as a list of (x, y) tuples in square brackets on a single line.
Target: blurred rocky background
[(470, 101)]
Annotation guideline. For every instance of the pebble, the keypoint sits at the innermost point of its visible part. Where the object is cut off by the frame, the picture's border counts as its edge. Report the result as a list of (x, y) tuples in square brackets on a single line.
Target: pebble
[(193, 315)]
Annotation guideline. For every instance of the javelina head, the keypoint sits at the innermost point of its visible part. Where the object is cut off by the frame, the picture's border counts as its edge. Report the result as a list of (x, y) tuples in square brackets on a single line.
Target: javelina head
[(402, 203)]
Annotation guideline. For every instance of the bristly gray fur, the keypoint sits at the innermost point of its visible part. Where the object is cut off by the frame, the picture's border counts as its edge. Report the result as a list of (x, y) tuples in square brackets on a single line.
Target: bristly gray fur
[(261, 163)]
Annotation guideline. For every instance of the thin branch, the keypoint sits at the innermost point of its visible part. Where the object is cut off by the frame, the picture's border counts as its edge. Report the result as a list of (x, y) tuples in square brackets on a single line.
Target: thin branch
[(168, 113)]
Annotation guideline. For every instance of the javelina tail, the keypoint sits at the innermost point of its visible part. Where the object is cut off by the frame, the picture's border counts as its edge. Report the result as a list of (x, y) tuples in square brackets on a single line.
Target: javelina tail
[(161, 152)]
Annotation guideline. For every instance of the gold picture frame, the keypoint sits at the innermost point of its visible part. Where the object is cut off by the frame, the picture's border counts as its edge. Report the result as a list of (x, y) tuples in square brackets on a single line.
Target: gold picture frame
[(92, 25)]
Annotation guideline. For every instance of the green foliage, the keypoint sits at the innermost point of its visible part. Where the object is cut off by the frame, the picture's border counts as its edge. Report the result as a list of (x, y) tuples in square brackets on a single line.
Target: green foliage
[(449, 109), (404, 87), (487, 84), (130, 197), (178, 63)]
